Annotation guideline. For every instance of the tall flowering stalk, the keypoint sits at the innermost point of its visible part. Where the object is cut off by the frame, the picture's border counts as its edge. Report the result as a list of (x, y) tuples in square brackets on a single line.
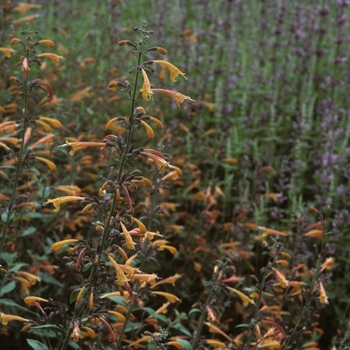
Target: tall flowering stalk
[(114, 282), (20, 131)]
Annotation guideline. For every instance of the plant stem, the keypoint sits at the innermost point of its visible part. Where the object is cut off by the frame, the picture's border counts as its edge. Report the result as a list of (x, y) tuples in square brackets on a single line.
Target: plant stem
[(19, 164)]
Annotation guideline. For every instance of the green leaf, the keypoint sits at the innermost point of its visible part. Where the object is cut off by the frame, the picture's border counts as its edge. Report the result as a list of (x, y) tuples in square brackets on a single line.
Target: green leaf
[(132, 326), (49, 330), (73, 295), (4, 216), (74, 345), (182, 329), (37, 345), (243, 325), (119, 300), (29, 231), (193, 311), (17, 266), (11, 303), (52, 280), (7, 288)]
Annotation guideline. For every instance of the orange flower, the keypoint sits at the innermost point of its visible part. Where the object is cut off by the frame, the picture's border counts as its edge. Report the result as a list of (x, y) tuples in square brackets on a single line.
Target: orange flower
[(174, 71), (49, 163), (170, 297), (30, 299), (216, 343), (128, 240), (283, 282), (5, 319), (47, 42), (82, 145), (177, 96), (328, 264), (60, 200), (23, 7), (246, 300), (121, 278), (76, 332), (25, 65), (7, 51), (53, 57), (315, 234), (146, 89), (30, 277), (323, 296), (58, 245)]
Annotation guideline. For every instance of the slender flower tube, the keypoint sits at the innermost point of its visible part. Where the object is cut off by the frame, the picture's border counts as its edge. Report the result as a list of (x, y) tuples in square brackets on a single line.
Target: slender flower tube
[(5, 319), (177, 96), (58, 245), (60, 200), (174, 71), (245, 299), (146, 89)]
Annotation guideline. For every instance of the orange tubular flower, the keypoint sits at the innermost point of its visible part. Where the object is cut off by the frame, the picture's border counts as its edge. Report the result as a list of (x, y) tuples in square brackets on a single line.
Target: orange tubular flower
[(58, 245), (5, 319), (146, 89), (177, 96), (7, 51), (216, 343), (25, 65), (246, 300), (128, 240), (174, 71), (323, 296), (60, 200), (82, 145), (49, 163), (47, 42), (30, 299), (121, 278), (53, 57), (283, 282), (76, 332), (30, 277), (170, 297), (328, 264), (176, 344)]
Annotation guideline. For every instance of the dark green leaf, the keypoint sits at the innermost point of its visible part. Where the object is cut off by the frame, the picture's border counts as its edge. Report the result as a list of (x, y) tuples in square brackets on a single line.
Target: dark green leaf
[(36, 345), (73, 295), (7, 288), (29, 231), (17, 266), (194, 311)]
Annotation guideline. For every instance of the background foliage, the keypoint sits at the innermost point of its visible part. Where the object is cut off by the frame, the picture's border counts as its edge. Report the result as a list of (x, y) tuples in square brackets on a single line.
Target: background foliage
[(267, 139)]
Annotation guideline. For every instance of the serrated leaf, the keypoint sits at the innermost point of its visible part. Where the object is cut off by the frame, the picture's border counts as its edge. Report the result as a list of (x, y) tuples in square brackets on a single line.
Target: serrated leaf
[(36, 345)]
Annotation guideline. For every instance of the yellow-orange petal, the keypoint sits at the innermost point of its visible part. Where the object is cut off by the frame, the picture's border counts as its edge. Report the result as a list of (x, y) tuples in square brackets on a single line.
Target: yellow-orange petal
[(58, 245), (49, 163)]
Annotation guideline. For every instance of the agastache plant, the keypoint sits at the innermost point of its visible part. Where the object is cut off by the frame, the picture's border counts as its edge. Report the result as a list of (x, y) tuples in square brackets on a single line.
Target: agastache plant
[(111, 267)]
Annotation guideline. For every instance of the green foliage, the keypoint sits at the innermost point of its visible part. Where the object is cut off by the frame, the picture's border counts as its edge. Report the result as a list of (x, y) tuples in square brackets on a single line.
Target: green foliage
[(249, 237)]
